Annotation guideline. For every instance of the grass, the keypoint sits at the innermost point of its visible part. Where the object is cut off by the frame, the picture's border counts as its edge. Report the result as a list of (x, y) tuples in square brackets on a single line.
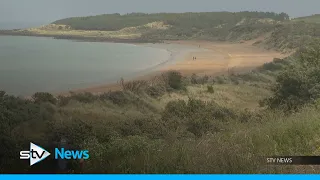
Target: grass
[(82, 33), (140, 142), (179, 131), (125, 33), (227, 95), (310, 19)]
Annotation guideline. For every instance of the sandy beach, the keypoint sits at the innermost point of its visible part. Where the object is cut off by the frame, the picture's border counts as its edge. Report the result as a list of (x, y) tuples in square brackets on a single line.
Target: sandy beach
[(212, 58)]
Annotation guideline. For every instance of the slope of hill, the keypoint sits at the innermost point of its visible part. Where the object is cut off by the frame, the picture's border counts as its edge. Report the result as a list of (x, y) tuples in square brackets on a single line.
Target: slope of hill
[(277, 30), (310, 19), (114, 22), (141, 27)]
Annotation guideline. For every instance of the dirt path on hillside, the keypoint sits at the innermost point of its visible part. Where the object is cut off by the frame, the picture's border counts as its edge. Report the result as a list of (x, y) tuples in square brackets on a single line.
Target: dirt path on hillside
[(219, 58)]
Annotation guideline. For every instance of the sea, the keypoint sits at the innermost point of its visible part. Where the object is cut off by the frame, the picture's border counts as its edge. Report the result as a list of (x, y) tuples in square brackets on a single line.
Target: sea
[(43, 64)]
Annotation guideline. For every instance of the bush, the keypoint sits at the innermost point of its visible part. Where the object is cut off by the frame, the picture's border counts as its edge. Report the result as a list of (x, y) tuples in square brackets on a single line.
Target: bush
[(204, 79), (198, 117), (156, 91), (299, 83), (220, 80), (136, 86), (116, 97), (63, 100), (84, 97), (42, 97), (21, 120), (275, 65), (199, 80), (210, 89), (175, 80), (194, 79)]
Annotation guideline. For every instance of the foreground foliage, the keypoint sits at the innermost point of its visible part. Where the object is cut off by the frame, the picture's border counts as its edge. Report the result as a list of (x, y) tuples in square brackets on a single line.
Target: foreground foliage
[(191, 125), (299, 83)]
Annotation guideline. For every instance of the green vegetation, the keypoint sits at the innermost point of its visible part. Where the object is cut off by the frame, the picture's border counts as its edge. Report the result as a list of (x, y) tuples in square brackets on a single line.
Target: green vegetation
[(175, 124), (139, 27), (311, 19), (114, 22), (299, 83)]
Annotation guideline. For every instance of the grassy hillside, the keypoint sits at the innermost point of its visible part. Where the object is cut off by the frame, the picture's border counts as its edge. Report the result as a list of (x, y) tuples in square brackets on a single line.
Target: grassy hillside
[(310, 19), (141, 27), (114, 22), (275, 31)]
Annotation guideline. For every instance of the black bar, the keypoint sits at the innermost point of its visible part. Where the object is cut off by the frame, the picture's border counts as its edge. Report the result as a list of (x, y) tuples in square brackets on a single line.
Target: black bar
[(292, 160)]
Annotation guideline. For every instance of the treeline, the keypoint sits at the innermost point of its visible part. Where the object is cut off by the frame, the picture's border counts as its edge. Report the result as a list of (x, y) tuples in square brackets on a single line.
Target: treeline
[(113, 22)]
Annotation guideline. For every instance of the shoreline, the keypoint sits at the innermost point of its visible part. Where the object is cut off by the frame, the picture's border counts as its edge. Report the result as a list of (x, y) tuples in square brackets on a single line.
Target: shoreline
[(79, 38), (213, 59), (177, 53)]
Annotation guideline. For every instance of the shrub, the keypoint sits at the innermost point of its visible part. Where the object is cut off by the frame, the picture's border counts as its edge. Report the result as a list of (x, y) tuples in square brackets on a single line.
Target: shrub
[(136, 86), (234, 79), (204, 79), (194, 79), (175, 80), (63, 100), (299, 83), (156, 90), (116, 97), (210, 89), (220, 80), (197, 116), (41, 97), (84, 97), (199, 80)]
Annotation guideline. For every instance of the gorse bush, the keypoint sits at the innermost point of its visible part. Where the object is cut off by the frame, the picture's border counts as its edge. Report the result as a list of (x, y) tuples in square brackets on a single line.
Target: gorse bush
[(41, 97), (175, 80), (22, 121), (168, 81), (136, 86), (194, 79), (210, 89), (199, 117), (84, 97), (299, 83), (275, 65)]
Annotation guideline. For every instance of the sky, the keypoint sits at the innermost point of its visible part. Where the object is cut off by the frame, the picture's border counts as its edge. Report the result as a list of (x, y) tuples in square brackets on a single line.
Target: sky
[(46, 11)]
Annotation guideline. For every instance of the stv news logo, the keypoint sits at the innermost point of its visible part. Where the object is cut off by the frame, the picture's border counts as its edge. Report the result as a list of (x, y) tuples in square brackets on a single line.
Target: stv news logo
[(37, 154)]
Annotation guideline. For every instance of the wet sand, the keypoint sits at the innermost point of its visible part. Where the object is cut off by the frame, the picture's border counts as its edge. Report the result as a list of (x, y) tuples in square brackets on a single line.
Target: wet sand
[(212, 58)]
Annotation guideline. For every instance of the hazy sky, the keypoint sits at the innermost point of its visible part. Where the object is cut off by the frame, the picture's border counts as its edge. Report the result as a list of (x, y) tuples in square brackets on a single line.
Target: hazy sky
[(45, 11)]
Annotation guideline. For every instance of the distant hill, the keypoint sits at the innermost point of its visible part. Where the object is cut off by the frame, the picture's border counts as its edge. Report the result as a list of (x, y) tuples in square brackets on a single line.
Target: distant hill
[(269, 30), (114, 22), (310, 19), (230, 26)]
